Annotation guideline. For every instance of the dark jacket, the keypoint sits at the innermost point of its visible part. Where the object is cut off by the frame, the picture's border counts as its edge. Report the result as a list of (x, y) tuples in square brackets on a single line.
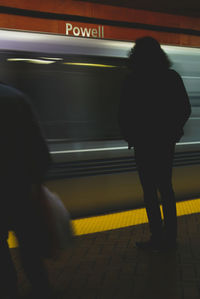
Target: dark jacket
[(24, 156), (154, 107)]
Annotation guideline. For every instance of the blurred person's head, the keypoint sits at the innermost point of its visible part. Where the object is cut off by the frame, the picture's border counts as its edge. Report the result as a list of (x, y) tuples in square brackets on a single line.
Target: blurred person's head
[(147, 55)]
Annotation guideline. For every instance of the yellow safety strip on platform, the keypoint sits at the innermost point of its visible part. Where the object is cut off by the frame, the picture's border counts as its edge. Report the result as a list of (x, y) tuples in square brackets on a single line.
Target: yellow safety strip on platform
[(118, 220), (127, 218)]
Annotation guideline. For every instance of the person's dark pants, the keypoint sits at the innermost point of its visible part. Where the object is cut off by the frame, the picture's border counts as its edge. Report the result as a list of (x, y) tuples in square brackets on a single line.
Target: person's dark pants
[(154, 163), (31, 259), (8, 281)]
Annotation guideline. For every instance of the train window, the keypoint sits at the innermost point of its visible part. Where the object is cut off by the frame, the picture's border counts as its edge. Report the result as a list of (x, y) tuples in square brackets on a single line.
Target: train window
[(76, 98)]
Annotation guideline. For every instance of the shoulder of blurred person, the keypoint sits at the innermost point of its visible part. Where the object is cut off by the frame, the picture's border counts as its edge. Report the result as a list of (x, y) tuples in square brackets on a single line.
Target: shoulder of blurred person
[(24, 154)]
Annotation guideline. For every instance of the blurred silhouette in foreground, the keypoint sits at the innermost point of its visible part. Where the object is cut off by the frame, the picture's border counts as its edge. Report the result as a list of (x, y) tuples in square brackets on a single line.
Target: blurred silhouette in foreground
[(154, 108), (24, 160)]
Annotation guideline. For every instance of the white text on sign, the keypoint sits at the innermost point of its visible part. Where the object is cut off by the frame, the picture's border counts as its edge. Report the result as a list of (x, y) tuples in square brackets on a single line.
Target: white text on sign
[(97, 32)]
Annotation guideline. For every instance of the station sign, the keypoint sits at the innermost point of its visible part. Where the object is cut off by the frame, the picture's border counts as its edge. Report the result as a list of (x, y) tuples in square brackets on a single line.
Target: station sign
[(84, 30)]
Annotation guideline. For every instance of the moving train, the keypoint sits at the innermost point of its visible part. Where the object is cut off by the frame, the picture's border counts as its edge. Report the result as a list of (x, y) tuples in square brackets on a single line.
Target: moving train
[(74, 85)]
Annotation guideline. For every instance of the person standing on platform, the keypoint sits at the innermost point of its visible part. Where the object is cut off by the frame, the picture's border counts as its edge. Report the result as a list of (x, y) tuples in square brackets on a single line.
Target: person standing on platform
[(153, 110), (24, 160)]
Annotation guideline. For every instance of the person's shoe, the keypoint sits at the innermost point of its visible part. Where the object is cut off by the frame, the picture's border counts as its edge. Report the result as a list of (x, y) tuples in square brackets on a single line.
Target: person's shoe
[(44, 292), (152, 245), (11, 294), (170, 244)]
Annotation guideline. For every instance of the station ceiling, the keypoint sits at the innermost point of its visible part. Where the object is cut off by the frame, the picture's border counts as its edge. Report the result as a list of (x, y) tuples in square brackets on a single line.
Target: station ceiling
[(178, 7)]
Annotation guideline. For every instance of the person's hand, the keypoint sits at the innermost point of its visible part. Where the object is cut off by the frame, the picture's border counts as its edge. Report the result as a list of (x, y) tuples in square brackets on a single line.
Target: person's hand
[(130, 145)]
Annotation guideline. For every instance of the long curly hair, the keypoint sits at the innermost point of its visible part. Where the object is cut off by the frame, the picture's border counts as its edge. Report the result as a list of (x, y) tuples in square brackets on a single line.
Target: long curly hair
[(148, 54)]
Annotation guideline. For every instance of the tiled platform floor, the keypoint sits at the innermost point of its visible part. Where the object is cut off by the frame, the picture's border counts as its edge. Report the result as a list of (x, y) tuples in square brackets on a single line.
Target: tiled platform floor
[(106, 265)]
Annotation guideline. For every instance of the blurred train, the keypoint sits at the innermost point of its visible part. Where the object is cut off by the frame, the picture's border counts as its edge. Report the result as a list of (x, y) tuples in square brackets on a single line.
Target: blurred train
[(74, 85)]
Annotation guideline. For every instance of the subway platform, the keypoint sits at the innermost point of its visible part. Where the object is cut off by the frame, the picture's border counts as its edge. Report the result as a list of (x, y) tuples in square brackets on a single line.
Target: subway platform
[(104, 263)]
